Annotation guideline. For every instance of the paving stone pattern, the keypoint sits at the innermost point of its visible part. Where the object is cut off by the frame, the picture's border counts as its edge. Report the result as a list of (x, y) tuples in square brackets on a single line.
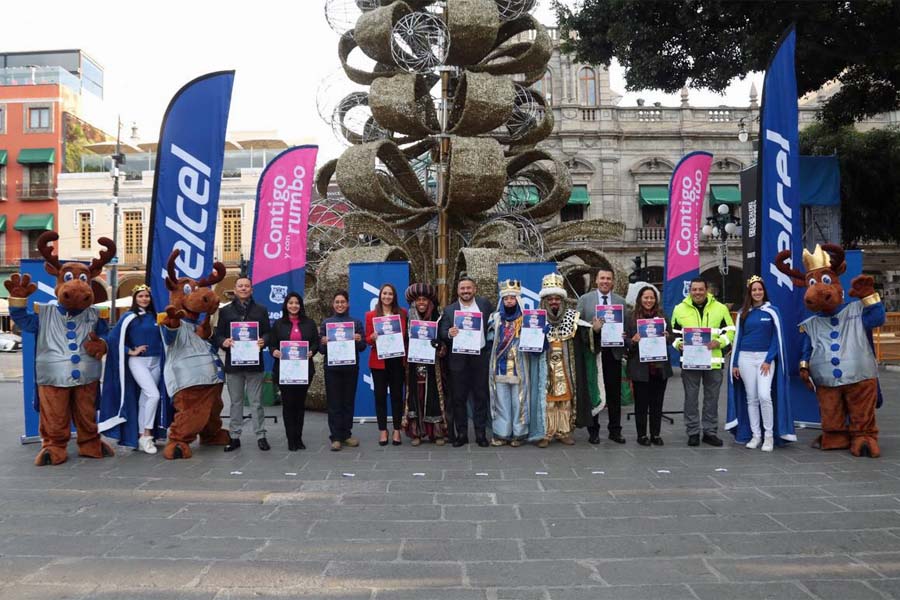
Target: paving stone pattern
[(603, 522)]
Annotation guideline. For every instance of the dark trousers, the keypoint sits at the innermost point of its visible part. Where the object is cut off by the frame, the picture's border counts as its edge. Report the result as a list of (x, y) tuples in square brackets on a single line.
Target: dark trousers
[(612, 384), (389, 378), (340, 395), (648, 399), (472, 380), (293, 410)]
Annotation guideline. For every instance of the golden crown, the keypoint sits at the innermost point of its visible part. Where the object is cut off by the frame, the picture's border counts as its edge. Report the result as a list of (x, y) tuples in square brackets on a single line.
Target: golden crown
[(143, 287), (754, 279), (510, 287), (817, 259), (553, 280)]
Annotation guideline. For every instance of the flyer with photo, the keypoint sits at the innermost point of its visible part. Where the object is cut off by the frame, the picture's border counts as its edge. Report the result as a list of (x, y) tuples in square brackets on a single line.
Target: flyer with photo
[(613, 317), (531, 338), (421, 336), (293, 368), (389, 343), (468, 340), (341, 347), (695, 354), (244, 343), (652, 345)]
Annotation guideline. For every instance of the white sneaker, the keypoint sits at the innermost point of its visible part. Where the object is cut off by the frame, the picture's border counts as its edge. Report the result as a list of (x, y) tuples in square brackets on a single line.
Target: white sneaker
[(145, 443), (769, 443), (753, 444)]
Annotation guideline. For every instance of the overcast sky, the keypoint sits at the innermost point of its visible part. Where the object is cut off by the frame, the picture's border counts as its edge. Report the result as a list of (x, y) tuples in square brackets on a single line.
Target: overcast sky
[(281, 51)]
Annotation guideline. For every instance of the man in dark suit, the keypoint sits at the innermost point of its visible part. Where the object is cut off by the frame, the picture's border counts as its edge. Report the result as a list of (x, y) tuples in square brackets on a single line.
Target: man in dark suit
[(611, 358), (468, 372)]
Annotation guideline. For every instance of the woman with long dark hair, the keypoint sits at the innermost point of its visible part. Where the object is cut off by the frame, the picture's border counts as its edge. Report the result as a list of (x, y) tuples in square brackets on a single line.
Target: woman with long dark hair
[(648, 378), (387, 374), (340, 379), (293, 326), (130, 408), (757, 371)]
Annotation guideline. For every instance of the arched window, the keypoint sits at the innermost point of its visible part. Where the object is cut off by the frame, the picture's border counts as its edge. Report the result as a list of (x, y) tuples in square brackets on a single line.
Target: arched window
[(545, 86), (587, 86)]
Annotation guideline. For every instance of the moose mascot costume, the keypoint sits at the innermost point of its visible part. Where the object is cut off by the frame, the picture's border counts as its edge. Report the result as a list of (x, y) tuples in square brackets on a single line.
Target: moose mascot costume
[(837, 351), (193, 372), (68, 349)]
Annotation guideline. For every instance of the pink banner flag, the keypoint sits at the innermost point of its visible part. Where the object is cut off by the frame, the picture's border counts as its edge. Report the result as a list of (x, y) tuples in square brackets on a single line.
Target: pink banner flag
[(686, 192)]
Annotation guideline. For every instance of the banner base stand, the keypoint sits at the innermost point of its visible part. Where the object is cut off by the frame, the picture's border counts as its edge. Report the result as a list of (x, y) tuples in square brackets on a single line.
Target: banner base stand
[(29, 439), (808, 425), (665, 415)]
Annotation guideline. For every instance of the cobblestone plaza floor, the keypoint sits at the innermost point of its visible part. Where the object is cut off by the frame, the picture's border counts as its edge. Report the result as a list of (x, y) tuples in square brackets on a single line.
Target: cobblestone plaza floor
[(565, 523)]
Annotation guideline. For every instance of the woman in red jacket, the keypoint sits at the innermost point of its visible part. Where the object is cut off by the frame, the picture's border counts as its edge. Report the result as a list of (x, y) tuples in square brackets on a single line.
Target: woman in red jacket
[(388, 373)]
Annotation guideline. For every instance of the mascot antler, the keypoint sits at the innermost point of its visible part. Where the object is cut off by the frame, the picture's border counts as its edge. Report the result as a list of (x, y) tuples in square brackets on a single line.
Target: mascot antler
[(105, 256), (43, 246), (796, 276), (171, 275), (217, 275), (838, 262)]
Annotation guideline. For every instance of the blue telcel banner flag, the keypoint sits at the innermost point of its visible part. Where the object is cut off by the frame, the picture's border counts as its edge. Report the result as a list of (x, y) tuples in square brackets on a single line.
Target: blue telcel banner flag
[(530, 274), (366, 280), (778, 216), (188, 178)]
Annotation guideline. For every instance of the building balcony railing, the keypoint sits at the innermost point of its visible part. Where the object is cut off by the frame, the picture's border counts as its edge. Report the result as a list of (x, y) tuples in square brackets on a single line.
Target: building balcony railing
[(650, 234), (35, 191)]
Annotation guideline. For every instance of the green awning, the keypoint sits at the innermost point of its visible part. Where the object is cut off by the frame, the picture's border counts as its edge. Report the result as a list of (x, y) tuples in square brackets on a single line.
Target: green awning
[(2, 223), (36, 156), (36, 222), (579, 195), (725, 194), (654, 195), (3, 154), (523, 194)]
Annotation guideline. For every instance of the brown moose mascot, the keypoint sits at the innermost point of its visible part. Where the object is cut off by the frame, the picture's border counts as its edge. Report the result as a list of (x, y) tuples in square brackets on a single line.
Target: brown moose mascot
[(68, 348), (193, 372), (837, 353)]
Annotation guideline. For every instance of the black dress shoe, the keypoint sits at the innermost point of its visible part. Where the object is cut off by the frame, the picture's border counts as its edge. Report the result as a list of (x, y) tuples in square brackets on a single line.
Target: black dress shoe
[(460, 442), (617, 438), (482, 442), (292, 447), (712, 439), (643, 440), (594, 437), (300, 444), (656, 440), (234, 444), (263, 444), (694, 440)]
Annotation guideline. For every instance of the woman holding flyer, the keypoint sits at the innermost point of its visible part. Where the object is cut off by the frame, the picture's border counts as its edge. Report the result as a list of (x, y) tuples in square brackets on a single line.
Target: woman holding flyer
[(426, 384), (648, 366), (293, 326), (341, 372), (758, 383), (387, 373)]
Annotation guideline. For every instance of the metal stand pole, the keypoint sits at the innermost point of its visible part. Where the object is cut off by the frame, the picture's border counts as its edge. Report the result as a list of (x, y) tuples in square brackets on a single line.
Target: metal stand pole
[(114, 268), (443, 235)]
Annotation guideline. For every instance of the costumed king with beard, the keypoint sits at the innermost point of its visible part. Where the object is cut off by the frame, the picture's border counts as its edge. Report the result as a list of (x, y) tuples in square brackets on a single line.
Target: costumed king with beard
[(559, 357), (426, 385), (135, 407), (515, 387), (468, 372)]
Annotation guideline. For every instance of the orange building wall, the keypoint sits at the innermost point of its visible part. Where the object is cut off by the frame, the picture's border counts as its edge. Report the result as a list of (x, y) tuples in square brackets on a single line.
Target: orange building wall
[(15, 139)]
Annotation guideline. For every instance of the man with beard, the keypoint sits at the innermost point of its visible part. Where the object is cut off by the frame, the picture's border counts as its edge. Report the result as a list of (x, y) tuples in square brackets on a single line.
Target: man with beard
[(468, 373), (426, 385), (559, 361)]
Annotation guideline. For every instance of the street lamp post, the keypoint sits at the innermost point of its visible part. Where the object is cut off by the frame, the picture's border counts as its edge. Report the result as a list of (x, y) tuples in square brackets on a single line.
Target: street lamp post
[(719, 228), (118, 159)]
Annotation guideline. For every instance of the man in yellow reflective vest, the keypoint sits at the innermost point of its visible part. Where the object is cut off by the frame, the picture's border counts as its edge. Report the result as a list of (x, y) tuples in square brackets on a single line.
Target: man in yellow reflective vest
[(701, 309)]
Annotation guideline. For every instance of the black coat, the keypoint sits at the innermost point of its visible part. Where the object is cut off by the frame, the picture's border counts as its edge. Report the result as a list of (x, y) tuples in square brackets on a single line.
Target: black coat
[(457, 362), (235, 312), (281, 332)]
